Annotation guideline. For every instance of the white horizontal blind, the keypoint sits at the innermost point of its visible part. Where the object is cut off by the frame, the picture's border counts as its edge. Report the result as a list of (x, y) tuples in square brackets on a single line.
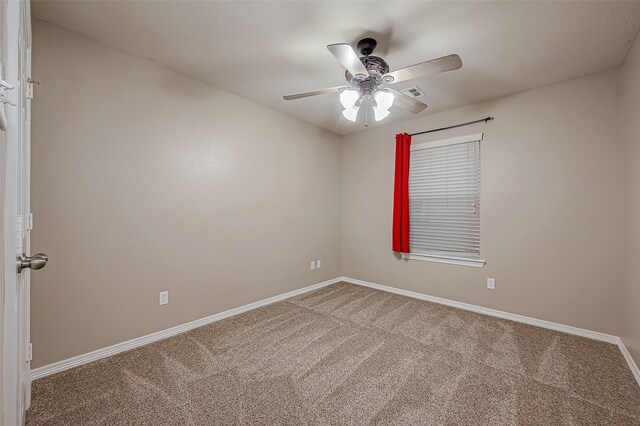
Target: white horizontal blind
[(444, 201)]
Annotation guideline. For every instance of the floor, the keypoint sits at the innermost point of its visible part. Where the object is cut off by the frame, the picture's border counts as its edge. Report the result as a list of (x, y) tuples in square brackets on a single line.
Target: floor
[(347, 354)]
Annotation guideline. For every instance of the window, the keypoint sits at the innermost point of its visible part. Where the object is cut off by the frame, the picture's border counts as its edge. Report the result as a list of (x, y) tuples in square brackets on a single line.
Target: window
[(444, 201)]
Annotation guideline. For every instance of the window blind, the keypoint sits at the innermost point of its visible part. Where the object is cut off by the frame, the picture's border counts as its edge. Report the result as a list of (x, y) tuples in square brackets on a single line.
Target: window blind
[(444, 200)]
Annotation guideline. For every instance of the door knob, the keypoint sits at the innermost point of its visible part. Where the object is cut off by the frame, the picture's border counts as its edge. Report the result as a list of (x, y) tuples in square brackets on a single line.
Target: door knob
[(37, 261)]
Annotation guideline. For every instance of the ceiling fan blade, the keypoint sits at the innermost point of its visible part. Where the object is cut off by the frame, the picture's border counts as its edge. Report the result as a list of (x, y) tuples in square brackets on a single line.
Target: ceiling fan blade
[(407, 102), (434, 66), (345, 54), (314, 93)]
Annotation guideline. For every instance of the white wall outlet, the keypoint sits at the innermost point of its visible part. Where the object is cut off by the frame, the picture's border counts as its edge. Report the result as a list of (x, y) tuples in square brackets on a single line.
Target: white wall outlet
[(318, 264), (313, 264), (491, 283), (164, 297)]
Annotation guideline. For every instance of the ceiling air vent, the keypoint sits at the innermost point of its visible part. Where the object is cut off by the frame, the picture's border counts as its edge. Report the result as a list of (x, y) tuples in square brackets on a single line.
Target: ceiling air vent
[(414, 91)]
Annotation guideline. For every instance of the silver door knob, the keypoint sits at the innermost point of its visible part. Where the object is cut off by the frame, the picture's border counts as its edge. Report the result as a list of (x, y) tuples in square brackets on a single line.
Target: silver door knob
[(37, 261)]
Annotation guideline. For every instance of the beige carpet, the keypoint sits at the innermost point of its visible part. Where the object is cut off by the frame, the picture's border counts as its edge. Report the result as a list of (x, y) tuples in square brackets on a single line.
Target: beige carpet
[(345, 355)]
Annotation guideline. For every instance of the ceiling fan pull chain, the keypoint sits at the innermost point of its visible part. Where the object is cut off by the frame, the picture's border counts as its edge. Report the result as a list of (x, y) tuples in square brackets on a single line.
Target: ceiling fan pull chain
[(366, 115)]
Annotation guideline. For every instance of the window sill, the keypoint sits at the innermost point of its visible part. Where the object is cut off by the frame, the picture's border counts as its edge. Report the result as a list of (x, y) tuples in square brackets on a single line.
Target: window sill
[(476, 263)]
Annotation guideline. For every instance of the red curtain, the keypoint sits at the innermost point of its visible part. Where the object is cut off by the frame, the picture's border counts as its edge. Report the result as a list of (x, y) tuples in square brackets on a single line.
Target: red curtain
[(401, 195)]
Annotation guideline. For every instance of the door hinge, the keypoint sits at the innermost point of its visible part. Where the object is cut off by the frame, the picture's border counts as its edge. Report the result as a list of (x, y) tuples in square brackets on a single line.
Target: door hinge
[(6, 87), (30, 222), (30, 352)]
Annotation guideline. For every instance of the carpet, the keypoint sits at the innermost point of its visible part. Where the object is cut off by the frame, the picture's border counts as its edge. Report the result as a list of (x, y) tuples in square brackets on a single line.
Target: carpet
[(350, 355)]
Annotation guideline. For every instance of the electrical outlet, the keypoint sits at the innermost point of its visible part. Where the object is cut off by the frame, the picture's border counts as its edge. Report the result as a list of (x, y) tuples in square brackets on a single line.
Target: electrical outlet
[(164, 297), (318, 264), (491, 283), (313, 264)]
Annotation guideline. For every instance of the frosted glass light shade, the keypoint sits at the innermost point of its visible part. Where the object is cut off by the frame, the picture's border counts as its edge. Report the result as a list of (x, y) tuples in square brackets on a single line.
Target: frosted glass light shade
[(379, 113), (348, 98), (351, 113), (384, 100)]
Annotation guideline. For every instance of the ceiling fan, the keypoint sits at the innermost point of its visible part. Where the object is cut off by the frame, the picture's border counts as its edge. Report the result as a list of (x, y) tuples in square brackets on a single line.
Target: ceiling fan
[(368, 77)]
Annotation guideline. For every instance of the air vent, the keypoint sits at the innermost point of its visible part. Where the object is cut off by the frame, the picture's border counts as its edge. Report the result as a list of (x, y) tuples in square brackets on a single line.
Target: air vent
[(414, 91)]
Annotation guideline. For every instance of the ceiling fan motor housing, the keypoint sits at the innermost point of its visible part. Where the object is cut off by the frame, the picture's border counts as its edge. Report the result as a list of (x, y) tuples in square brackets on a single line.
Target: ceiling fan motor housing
[(376, 67)]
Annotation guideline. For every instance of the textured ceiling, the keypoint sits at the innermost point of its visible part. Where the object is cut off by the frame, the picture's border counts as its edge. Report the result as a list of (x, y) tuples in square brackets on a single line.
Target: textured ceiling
[(263, 50)]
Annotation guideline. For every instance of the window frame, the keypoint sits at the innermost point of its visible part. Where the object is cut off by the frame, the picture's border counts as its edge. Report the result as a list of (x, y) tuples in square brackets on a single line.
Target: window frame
[(434, 257)]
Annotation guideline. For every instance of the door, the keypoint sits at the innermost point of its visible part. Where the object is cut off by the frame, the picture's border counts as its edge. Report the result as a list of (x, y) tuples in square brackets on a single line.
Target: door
[(17, 92)]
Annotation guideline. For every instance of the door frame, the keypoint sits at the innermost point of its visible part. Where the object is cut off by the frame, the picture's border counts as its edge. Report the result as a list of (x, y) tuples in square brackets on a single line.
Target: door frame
[(15, 363)]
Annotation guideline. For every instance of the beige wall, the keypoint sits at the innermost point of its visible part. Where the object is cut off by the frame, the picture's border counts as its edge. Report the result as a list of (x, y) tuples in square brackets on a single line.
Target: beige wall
[(630, 161), (146, 180), (549, 206)]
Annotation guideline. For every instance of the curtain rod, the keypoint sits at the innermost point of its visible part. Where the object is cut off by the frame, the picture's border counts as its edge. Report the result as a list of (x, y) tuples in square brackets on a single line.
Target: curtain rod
[(452, 127)]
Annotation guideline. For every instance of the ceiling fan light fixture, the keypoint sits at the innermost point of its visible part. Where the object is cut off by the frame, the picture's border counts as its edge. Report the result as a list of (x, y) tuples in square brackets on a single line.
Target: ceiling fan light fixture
[(366, 74), (380, 113), (351, 113), (348, 98), (383, 99)]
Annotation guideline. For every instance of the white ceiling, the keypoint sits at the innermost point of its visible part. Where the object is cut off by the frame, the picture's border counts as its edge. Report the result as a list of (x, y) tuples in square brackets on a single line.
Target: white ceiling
[(263, 50)]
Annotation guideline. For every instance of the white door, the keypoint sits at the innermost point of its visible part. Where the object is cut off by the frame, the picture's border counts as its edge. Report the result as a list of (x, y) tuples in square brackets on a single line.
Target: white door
[(16, 71)]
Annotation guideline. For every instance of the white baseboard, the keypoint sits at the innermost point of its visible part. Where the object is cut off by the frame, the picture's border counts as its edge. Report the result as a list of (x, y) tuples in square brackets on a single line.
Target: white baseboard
[(506, 315), (487, 311), (76, 361), (79, 360), (627, 356)]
